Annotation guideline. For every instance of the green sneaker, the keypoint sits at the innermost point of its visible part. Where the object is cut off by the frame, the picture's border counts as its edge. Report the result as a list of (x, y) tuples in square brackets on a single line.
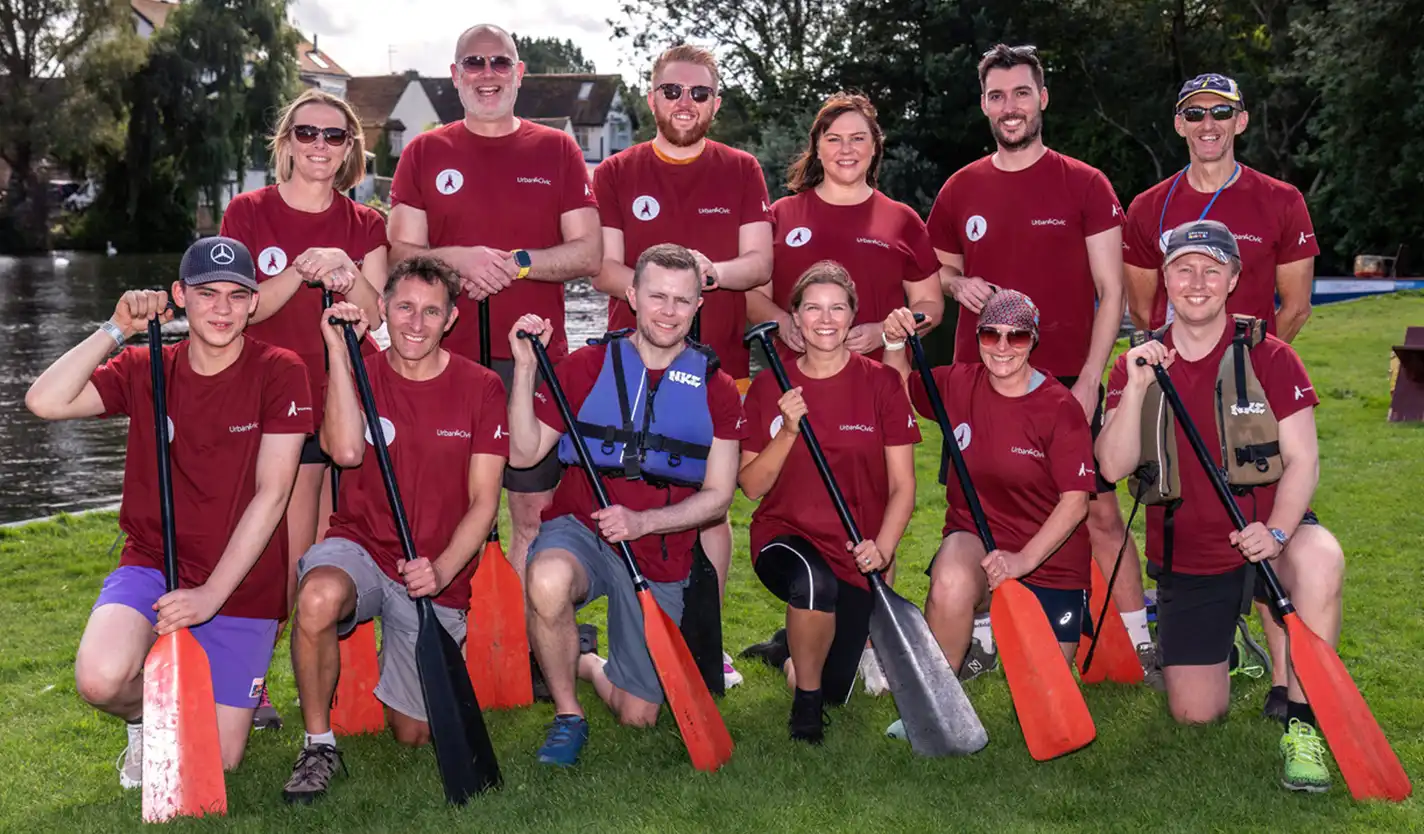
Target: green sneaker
[(1304, 752)]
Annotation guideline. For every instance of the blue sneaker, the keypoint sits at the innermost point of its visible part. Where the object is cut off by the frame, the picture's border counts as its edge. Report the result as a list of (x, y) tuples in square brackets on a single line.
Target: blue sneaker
[(565, 741)]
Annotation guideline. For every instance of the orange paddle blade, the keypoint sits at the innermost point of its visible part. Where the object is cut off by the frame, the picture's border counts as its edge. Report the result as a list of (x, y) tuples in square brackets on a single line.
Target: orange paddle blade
[(1051, 709), (1367, 762), (1116, 658), (497, 643), (355, 709), (182, 762), (703, 731)]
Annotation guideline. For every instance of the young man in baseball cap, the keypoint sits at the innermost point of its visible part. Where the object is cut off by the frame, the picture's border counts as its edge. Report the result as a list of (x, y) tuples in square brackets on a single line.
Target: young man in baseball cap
[(238, 413), (1205, 568)]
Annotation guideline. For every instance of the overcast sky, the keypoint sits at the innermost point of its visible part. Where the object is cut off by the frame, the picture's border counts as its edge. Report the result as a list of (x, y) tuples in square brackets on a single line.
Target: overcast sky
[(421, 33)]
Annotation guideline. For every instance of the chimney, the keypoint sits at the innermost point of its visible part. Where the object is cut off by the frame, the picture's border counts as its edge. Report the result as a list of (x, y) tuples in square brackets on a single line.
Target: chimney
[(315, 48)]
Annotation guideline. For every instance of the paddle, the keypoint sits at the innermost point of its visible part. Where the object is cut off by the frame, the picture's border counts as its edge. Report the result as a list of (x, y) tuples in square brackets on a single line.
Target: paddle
[(355, 709), (702, 598), (708, 743), (497, 643), (938, 717), (1109, 644), (1369, 765), (1050, 707), (463, 751), (183, 769)]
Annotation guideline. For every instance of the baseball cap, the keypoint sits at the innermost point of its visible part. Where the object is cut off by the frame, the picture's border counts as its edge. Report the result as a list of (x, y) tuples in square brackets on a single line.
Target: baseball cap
[(1205, 237), (217, 259), (1011, 308), (1210, 82)]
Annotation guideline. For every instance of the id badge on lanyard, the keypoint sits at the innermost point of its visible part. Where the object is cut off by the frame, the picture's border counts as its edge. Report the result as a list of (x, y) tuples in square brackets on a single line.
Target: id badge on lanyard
[(1163, 233)]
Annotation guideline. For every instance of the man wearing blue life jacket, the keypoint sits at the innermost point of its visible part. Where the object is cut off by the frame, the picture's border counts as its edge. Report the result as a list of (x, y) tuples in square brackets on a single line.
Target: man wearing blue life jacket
[(663, 424)]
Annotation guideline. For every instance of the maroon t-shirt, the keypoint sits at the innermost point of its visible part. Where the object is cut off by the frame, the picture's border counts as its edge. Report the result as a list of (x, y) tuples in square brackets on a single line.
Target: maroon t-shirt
[(509, 192), (1201, 528), (432, 428), (702, 204), (215, 426), (856, 415), (276, 234), (1267, 216), (661, 558), (1025, 230), (880, 242), (1023, 453)]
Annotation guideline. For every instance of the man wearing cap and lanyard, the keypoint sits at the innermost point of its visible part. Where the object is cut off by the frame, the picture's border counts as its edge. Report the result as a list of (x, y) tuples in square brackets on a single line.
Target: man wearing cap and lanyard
[(1272, 228), (1205, 573), (238, 413)]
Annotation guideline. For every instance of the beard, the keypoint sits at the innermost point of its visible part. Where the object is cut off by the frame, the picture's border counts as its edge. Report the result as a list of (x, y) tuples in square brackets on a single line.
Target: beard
[(679, 136), (1033, 128), (485, 111)]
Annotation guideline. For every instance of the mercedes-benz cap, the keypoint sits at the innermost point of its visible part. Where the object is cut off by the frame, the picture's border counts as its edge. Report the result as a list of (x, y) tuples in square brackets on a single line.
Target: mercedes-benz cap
[(217, 259), (1204, 237)]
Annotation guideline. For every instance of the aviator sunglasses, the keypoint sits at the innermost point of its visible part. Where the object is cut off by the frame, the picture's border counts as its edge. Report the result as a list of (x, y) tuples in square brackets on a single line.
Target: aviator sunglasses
[(306, 134), (1219, 112), (1018, 339), (672, 92), (501, 64)]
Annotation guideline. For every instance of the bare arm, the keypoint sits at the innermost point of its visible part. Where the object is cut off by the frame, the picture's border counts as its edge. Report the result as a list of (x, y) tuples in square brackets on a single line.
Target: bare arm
[(343, 426), (485, 473), (366, 290), (951, 269), (579, 256), (925, 296), (277, 460), (63, 391), (1105, 261), (752, 266), (1070, 511), (530, 439), (615, 277), (409, 234), (759, 470), (707, 504), (275, 292), (761, 308), (1294, 282), (1300, 457), (900, 466), (1141, 286)]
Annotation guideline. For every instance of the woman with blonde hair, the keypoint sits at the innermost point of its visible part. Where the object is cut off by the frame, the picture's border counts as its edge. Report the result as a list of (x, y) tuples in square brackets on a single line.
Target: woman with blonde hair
[(307, 236)]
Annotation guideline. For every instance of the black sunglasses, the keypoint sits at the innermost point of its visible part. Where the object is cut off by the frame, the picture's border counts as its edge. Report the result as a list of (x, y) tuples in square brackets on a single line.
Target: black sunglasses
[(1025, 51), (501, 64), (672, 92), (306, 134), (1219, 112)]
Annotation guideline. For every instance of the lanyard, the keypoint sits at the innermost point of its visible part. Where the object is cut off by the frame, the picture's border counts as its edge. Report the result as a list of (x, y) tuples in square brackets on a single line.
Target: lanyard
[(1173, 190)]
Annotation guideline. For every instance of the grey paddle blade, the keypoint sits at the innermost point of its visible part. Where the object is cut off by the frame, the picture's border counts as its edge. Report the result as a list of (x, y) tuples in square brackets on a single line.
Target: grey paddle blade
[(702, 621), (938, 717), (463, 752)]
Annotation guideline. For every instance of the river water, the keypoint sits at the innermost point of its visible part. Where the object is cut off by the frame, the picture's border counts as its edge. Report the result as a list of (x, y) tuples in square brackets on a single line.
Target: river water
[(47, 307)]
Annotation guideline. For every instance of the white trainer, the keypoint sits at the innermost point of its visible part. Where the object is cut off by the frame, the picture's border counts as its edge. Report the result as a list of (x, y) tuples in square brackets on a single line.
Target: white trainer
[(730, 676), (130, 763), (872, 674)]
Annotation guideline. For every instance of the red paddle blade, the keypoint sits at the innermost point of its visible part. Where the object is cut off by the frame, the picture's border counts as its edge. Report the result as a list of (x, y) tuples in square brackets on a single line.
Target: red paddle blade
[(703, 731), (1051, 709), (1367, 762), (497, 643), (355, 709), (1115, 658), (182, 762)]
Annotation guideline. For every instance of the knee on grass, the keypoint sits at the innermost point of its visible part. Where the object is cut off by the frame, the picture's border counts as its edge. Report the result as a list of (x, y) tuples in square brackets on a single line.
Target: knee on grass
[(635, 712), (102, 682), (408, 731)]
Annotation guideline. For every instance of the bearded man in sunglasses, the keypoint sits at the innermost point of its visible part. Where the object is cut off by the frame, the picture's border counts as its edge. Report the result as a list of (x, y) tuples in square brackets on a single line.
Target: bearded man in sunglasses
[(1277, 241), (509, 205), (681, 187)]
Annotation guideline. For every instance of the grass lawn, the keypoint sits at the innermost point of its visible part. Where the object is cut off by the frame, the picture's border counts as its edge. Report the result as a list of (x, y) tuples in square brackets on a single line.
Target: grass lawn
[(1143, 773)]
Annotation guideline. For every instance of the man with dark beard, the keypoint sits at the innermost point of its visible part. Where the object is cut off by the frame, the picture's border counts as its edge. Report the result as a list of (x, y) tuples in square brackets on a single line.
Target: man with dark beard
[(683, 188), (1031, 219)]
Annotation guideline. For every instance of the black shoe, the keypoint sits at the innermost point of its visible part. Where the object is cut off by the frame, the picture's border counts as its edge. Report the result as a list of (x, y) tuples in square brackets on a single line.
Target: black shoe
[(808, 718), (541, 687), (774, 652), (588, 638), (1275, 707)]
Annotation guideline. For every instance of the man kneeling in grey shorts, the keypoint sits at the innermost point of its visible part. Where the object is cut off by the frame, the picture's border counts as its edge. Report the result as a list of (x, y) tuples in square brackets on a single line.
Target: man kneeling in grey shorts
[(442, 417), (664, 483)]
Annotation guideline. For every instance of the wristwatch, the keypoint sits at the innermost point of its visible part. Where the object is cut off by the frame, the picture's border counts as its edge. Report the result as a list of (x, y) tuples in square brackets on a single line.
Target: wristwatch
[(523, 261), (1278, 535)]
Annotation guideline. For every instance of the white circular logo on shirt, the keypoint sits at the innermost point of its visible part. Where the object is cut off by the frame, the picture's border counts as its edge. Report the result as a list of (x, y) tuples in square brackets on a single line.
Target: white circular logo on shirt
[(388, 429), (799, 236), (171, 432), (272, 260), (776, 425), (963, 435), (646, 208), (975, 227), (1163, 241), (449, 181)]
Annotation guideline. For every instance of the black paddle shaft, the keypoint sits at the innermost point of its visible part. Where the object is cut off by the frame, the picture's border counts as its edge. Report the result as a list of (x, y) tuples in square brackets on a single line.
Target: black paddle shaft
[(546, 369), (1218, 482), (326, 301), (946, 428), (484, 323), (160, 440)]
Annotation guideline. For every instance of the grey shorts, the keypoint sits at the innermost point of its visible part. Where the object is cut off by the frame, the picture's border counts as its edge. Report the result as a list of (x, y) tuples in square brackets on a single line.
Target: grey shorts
[(377, 595), (630, 667), (542, 476)]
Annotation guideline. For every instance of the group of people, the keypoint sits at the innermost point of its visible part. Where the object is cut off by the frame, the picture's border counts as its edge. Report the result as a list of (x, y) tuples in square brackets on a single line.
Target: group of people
[(680, 233)]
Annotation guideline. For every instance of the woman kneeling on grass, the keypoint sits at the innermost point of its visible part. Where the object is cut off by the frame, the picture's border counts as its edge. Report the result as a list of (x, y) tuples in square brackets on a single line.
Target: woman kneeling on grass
[(1030, 456), (799, 547)]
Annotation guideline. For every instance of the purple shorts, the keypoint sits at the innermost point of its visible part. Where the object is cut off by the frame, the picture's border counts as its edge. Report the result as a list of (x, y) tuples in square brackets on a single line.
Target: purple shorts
[(239, 648)]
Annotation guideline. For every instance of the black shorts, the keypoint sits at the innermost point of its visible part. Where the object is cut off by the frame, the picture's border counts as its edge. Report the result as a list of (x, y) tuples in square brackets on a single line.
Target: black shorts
[(1196, 615), (1067, 611), (311, 450), (788, 566), (542, 476), (1104, 485)]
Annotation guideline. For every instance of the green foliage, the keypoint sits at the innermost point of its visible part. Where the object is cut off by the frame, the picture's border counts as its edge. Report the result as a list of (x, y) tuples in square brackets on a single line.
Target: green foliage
[(551, 55)]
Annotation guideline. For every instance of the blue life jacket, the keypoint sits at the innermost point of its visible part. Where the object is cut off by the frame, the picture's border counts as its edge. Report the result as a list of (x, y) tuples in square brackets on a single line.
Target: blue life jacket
[(662, 436)]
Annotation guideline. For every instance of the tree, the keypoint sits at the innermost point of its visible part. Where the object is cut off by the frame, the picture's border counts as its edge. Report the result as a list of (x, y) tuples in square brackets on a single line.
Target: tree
[(551, 55)]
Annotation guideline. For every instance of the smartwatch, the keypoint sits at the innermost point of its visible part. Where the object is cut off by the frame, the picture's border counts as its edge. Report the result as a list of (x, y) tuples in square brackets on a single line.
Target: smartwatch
[(523, 261), (1278, 535)]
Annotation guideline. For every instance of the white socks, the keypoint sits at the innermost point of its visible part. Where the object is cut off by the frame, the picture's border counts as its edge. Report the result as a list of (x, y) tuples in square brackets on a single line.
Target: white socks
[(983, 633), (135, 730), (328, 737), (1136, 622)]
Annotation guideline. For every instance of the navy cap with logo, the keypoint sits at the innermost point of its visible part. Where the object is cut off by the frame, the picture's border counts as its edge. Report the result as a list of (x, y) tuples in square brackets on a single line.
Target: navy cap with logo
[(1210, 82), (1205, 237), (217, 259)]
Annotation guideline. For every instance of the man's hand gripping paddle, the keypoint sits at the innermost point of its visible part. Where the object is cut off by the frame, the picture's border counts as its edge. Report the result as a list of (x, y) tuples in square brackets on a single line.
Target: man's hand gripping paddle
[(938, 717), (182, 758), (1050, 707), (457, 729), (709, 745), (1369, 765)]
